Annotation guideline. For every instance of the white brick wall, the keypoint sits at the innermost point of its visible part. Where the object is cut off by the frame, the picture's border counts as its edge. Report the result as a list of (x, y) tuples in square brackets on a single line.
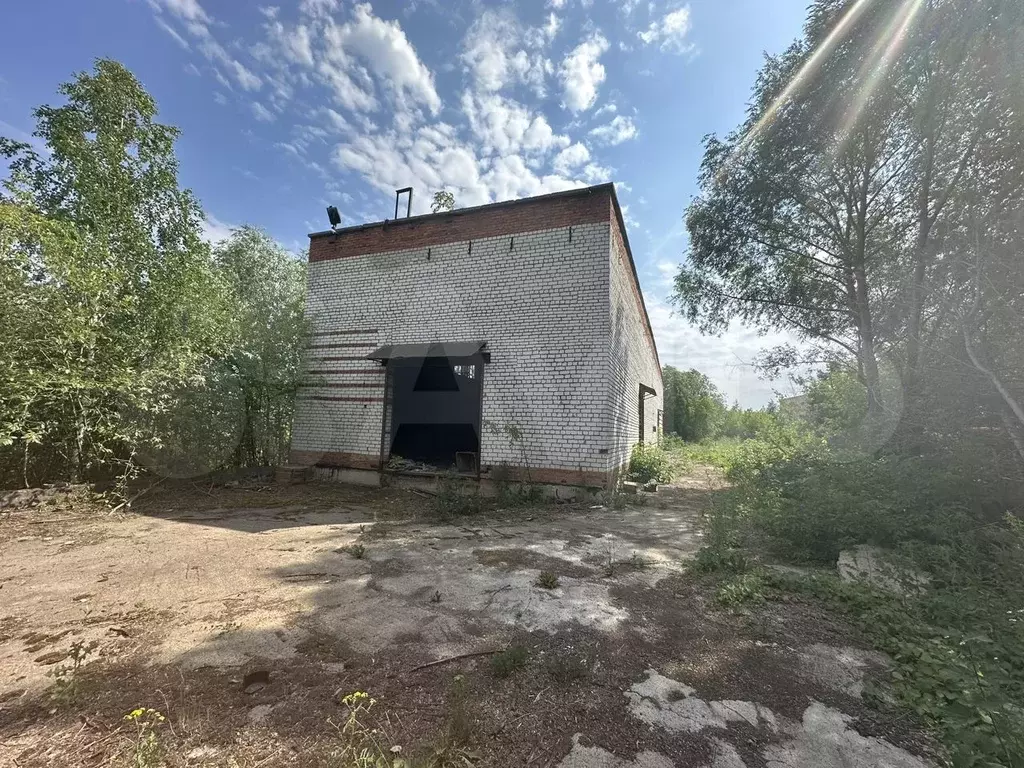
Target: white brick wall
[(632, 363), (542, 306), (564, 330)]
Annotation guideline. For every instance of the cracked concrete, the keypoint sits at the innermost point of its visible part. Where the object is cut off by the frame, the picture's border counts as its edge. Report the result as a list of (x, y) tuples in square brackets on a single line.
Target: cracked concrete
[(822, 739), (220, 589)]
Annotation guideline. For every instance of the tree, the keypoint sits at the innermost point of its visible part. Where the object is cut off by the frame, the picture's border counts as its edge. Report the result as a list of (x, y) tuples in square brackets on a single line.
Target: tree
[(238, 411), (443, 201), (109, 293), (268, 286), (693, 406), (880, 150)]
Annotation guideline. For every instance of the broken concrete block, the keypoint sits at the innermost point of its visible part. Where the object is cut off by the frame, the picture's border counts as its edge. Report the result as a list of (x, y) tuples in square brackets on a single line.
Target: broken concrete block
[(630, 487)]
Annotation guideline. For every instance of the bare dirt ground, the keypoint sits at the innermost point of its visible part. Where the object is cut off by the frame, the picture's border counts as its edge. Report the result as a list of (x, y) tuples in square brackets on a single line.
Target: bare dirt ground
[(199, 592)]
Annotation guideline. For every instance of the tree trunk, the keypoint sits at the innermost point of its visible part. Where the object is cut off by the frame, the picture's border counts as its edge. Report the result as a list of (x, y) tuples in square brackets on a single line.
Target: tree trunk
[(1014, 431), (1008, 398)]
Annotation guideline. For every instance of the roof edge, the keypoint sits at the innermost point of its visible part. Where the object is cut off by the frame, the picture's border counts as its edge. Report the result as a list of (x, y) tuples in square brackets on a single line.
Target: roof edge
[(576, 192), (636, 277)]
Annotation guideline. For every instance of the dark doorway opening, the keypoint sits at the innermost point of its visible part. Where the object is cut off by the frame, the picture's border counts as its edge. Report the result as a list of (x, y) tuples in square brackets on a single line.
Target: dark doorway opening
[(433, 413), (645, 392)]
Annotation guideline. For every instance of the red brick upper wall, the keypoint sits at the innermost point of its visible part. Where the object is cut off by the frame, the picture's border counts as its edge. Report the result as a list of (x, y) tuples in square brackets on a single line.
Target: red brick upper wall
[(529, 215)]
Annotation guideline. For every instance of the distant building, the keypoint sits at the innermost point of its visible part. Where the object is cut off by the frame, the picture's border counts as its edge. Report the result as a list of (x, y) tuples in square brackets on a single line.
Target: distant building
[(507, 338), (795, 407)]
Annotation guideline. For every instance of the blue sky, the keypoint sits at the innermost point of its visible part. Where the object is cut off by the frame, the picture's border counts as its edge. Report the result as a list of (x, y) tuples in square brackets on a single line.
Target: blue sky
[(286, 108)]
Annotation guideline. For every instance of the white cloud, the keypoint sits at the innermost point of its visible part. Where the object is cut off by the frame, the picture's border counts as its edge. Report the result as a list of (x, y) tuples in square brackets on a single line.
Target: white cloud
[(670, 32), (503, 125), (620, 129), (570, 159), (335, 120), (552, 26), (727, 360), (596, 174), (351, 95), (556, 3), (609, 107), (433, 157), (261, 113), (190, 10), (292, 41), (318, 9), (582, 73), (192, 69), (368, 44), (215, 230), (174, 35), (497, 53), (631, 223), (220, 98), (198, 22)]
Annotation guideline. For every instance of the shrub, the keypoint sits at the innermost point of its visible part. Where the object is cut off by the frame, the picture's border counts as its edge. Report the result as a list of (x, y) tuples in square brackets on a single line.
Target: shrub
[(648, 464), (741, 589), (716, 559), (456, 497), (958, 644), (508, 661), (66, 677), (358, 551), (547, 580)]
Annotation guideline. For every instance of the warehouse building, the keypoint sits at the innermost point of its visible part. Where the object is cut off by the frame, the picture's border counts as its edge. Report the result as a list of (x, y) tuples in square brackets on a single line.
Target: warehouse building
[(508, 339)]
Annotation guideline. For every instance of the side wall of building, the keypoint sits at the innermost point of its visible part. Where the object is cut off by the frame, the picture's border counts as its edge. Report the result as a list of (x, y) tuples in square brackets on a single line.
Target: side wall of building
[(538, 298), (633, 360)]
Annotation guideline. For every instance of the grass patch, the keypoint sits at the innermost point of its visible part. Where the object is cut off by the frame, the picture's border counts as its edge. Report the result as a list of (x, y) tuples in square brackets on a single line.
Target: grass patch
[(455, 497), (741, 590), (957, 644), (548, 580), (565, 669), (358, 551), (508, 661)]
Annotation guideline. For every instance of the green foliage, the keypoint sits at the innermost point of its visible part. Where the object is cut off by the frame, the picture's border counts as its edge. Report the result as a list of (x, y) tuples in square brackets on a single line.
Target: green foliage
[(455, 497), (452, 750), (693, 406), (648, 463), (720, 558), (363, 743), (567, 668), (443, 201), (840, 225), (957, 644), (66, 681), (147, 751), (746, 423), (123, 340), (837, 402), (508, 661), (110, 296), (742, 589), (719, 453), (547, 580), (957, 652)]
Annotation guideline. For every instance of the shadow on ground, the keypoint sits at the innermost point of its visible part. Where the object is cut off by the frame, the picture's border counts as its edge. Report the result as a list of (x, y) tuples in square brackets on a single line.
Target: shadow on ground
[(246, 622)]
